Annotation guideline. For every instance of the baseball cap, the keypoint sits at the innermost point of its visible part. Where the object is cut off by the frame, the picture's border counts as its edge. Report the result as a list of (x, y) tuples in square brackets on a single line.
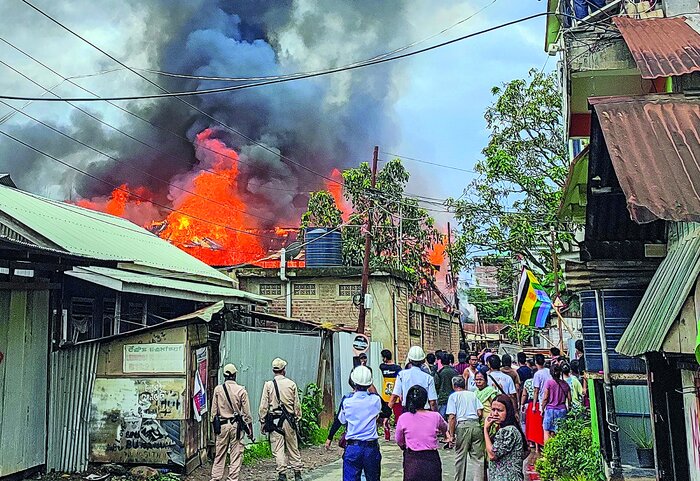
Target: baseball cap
[(230, 369)]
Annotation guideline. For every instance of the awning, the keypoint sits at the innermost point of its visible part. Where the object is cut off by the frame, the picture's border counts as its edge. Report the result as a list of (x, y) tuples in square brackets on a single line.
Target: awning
[(663, 299), (654, 145), (154, 285), (661, 47), (573, 201)]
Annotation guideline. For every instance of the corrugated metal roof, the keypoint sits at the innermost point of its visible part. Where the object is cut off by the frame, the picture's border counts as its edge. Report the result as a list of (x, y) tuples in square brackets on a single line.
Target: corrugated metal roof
[(663, 299), (88, 233), (654, 145), (135, 282), (661, 47)]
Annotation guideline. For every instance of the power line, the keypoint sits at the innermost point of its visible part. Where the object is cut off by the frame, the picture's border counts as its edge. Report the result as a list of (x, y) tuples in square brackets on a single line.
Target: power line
[(182, 189), (116, 187), (232, 88), (168, 93), (404, 157), (299, 74), (146, 144)]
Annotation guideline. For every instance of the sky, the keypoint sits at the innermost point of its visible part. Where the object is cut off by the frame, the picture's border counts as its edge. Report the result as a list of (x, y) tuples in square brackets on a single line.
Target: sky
[(428, 107)]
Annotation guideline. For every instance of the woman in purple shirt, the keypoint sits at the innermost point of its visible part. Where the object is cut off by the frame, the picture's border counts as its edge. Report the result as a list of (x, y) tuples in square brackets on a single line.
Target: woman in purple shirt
[(416, 434), (556, 402)]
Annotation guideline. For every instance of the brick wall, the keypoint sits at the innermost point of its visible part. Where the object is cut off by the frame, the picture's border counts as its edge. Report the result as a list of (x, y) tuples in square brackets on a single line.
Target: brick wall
[(438, 329)]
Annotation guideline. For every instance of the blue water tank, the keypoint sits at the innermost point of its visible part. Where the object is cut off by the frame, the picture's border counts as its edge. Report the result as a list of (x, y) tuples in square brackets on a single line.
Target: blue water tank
[(619, 305), (323, 248)]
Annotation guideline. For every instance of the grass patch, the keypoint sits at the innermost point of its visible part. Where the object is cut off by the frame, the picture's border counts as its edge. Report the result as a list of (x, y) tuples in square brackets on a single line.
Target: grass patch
[(253, 453)]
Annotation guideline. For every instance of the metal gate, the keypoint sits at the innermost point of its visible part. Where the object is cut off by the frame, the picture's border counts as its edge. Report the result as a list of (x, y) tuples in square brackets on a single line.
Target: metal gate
[(24, 341)]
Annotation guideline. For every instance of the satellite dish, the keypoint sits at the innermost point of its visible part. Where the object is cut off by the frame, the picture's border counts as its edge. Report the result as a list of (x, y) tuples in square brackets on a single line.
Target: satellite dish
[(292, 250)]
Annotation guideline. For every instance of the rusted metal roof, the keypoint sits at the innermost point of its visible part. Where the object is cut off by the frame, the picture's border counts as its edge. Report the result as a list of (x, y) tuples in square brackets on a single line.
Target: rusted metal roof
[(661, 47), (654, 145)]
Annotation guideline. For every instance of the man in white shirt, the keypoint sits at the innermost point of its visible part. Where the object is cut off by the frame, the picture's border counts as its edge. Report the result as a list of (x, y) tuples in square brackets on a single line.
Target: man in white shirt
[(414, 376), (464, 411), (500, 380)]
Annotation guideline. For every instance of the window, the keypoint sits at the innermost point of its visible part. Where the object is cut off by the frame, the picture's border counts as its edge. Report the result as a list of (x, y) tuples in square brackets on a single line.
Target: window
[(109, 307), (414, 326), (304, 289), (348, 290), (81, 315), (271, 289)]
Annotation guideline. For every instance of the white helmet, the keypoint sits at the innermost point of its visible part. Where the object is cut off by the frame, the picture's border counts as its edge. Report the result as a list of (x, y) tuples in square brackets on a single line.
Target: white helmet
[(416, 354), (361, 376)]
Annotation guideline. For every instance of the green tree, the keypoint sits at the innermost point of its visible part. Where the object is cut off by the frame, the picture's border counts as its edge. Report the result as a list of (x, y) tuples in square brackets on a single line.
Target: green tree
[(512, 205), (402, 232), (322, 211), (490, 310)]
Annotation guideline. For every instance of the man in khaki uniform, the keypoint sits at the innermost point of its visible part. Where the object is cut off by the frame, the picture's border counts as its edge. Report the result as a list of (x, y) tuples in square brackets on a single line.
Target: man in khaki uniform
[(283, 438), (232, 414)]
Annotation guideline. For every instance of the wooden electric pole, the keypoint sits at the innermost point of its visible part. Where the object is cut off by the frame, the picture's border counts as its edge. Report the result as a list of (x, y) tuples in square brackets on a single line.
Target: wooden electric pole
[(368, 246), (555, 266)]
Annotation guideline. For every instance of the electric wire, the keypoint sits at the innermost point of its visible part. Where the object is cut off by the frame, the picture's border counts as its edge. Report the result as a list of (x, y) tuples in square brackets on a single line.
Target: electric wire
[(104, 154), (299, 74), (413, 159), (135, 115), (168, 93), (232, 88)]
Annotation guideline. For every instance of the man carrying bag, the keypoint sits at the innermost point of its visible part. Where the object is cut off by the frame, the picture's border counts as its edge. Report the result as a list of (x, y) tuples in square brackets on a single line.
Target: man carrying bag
[(280, 411), (231, 418)]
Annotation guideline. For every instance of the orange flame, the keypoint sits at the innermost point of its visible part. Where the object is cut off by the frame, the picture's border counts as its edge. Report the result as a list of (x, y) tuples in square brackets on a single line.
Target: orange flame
[(336, 190)]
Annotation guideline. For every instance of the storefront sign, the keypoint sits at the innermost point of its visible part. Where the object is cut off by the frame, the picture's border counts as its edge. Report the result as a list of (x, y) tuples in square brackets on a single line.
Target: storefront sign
[(154, 358)]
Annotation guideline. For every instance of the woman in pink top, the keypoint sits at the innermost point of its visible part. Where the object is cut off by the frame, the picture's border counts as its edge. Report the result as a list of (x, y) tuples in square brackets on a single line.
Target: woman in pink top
[(556, 402), (417, 435)]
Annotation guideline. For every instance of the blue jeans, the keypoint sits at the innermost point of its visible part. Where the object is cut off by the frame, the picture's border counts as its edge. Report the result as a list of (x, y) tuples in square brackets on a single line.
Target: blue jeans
[(362, 457), (442, 409), (582, 7)]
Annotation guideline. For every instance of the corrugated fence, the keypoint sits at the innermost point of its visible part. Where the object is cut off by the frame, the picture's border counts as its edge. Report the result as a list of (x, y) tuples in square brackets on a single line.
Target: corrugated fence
[(72, 380), (253, 352)]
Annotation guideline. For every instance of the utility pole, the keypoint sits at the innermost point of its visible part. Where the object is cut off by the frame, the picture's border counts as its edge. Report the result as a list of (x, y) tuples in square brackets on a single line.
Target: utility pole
[(555, 266), (368, 247), (455, 286)]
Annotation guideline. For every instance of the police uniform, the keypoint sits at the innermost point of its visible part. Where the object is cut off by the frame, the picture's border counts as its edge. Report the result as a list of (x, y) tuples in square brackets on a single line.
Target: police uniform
[(228, 440), (285, 445), (359, 413)]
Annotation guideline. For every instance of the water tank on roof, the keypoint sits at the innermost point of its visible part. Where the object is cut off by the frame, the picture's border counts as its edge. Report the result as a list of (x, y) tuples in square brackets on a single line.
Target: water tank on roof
[(323, 247)]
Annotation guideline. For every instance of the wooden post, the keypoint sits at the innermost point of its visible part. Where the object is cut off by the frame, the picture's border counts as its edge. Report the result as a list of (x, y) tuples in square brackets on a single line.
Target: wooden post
[(368, 246), (555, 265)]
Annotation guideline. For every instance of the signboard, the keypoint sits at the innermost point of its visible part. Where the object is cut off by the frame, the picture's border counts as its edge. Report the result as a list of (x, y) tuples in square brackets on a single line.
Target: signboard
[(360, 344), (154, 358), (558, 303)]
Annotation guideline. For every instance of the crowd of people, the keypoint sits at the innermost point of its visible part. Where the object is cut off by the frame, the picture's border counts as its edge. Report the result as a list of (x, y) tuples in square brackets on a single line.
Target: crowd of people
[(491, 413)]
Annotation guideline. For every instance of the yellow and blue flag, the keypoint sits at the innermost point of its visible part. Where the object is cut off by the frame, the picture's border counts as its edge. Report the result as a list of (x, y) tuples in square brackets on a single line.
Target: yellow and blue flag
[(534, 305)]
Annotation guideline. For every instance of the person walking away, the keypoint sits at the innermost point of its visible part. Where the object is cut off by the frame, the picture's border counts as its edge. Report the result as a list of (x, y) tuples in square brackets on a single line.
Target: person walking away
[(502, 382), (463, 363), (231, 405), (470, 373), (557, 398), (464, 429), (389, 371), (431, 360), (443, 384), (280, 411), (507, 368), (414, 376), (359, 413), (526, 401), (524, 371), (507, 447), (416, 435), (534, 421), (484, 393), (575, 386)]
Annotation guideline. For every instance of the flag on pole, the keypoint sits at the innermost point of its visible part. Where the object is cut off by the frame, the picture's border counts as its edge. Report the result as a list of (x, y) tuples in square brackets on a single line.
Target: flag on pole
[(534, 305)]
